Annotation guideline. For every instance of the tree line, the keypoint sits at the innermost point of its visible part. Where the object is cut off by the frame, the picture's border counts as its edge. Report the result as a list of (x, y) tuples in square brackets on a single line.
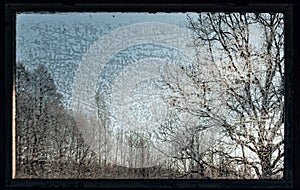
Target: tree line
[(49, 143)]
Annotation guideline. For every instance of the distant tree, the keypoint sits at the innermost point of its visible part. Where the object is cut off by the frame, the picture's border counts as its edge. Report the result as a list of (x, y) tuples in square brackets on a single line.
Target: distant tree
[(24, 118), (48, 141)]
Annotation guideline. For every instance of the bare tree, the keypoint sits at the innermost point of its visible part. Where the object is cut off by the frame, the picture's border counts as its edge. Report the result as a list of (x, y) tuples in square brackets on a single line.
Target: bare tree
[(49, 144), (237, 85)]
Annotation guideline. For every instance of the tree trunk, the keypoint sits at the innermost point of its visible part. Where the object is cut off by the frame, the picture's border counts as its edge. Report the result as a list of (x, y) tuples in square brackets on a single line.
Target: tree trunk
[(265, 160)]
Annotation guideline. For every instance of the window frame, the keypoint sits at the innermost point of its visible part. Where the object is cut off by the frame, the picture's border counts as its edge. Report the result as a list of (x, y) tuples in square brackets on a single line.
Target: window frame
[(291, 126)]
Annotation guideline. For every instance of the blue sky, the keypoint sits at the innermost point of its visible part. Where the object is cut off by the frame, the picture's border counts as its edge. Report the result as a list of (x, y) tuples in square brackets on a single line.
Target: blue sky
[(37, 43), (99, 19)]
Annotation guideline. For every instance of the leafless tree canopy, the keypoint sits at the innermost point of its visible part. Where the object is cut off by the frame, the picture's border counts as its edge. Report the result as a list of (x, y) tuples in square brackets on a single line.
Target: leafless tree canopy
[(238, 84)]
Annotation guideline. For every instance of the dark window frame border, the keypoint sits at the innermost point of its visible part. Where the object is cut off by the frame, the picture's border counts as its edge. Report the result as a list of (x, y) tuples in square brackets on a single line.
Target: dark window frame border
[(7, 71)]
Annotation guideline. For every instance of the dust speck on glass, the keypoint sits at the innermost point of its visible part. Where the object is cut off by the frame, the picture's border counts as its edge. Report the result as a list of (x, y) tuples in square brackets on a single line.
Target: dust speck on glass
[(149, 96)]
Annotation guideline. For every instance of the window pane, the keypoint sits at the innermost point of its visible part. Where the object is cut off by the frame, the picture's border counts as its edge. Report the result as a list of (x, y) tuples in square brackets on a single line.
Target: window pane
[(151, 96)]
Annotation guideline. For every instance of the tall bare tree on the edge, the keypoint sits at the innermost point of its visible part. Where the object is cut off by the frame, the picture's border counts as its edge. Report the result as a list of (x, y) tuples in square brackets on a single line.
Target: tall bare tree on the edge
[(237, 85)]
